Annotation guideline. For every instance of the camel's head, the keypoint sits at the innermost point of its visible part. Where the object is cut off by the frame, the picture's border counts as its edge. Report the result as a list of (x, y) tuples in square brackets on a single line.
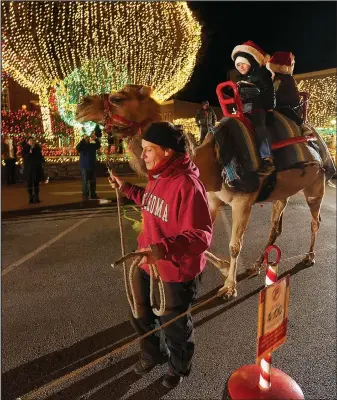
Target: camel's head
[(91, 108), (125, 111)]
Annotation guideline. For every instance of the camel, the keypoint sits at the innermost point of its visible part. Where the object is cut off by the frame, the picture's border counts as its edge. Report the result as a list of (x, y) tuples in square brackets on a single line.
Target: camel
[(132, 109)]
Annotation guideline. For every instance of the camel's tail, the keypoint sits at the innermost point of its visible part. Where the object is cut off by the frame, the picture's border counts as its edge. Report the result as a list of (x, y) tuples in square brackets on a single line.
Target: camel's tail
[(327, 160)]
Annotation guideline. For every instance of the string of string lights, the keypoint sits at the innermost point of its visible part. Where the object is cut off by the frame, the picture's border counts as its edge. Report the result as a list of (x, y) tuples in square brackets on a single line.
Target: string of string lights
[(156, 42)]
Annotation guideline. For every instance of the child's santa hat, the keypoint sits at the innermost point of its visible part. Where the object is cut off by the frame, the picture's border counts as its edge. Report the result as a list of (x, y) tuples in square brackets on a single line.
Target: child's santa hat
[(260, 56), (282, 62)]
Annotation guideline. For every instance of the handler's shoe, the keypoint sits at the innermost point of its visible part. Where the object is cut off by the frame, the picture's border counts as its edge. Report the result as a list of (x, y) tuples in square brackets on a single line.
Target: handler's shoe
[(171, 379), (143, 366)]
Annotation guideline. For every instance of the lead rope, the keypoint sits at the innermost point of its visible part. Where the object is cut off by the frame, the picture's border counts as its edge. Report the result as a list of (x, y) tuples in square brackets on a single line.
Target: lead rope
[(162, 300), (154, 275), (130, 296)]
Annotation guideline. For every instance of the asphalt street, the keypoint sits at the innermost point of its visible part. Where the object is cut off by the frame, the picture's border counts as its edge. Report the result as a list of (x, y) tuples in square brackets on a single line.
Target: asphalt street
[(64, 306)]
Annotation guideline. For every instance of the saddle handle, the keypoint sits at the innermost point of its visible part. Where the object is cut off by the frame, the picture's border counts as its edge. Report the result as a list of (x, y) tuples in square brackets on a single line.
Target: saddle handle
[(305, 104), (225, 101)]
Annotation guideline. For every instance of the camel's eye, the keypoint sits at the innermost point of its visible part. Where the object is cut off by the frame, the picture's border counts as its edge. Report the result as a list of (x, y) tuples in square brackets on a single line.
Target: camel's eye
[(116, 100)]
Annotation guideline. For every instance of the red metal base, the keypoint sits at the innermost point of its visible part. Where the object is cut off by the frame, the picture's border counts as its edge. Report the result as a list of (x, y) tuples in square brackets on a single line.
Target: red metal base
[(244, 384)]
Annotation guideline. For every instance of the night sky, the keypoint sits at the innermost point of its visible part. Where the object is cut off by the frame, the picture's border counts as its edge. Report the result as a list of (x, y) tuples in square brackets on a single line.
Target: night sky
[(307, 29)]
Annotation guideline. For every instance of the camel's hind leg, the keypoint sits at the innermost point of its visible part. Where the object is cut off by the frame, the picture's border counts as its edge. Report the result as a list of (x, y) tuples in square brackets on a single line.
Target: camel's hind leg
[(276, 229), (314, 195), (241, 210)]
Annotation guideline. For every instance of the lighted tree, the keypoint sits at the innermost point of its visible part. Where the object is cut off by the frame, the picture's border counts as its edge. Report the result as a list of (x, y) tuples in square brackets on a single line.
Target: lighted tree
[(94, 77), (322, 102), (156, 42)]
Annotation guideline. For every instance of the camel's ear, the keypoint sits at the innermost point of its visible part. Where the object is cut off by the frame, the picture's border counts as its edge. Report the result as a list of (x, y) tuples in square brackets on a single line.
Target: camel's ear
[(146, 91), (141, 91)]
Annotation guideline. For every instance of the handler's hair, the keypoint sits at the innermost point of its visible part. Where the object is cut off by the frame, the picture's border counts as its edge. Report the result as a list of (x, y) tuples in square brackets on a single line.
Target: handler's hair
[(187, 139)]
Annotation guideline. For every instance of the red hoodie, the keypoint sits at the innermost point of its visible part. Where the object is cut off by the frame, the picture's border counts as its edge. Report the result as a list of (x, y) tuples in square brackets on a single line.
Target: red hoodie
[(175, 214)]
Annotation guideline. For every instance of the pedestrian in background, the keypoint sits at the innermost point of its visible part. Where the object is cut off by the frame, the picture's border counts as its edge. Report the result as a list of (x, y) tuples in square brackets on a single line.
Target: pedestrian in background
[(33, 170), (87, 148), (9, 153), (205, 119)]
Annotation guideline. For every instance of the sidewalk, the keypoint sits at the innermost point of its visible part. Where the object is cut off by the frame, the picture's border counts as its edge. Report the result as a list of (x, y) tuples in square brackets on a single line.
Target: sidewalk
[(58, 195)]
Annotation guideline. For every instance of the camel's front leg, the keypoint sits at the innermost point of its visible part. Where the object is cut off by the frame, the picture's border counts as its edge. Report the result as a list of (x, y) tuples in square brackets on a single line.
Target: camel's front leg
[(241, 210), (276, 230)]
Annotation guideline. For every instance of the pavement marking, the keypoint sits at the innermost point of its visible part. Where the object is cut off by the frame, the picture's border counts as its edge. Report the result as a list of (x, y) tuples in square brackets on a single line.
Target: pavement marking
[(11, 267)]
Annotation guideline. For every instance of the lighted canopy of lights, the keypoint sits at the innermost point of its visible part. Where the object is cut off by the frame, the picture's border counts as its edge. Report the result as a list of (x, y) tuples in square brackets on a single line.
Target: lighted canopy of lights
[(189, 125), (93, 77), (157, 42), (322, 101)]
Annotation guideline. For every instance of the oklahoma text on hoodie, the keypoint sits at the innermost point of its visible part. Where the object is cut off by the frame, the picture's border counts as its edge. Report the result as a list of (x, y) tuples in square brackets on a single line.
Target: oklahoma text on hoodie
[(176, 214)]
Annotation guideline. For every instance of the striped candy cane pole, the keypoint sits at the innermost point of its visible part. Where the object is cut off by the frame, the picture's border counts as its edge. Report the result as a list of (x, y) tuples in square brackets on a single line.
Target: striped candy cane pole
[(271, 277)]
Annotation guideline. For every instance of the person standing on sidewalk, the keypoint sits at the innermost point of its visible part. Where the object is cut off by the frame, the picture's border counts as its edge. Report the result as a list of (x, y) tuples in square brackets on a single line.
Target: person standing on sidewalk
[(33, 160), (205, 119), (9, 151), (87, 148), (177, 230)]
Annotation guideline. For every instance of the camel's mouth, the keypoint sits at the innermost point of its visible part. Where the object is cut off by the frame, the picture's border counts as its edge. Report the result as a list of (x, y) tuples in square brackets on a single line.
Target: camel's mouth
[(120, 125), (82, 115), (81, 118), (117, 121)]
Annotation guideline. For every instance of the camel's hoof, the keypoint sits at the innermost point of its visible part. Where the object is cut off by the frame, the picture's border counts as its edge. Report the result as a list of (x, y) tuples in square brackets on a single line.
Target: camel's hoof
[(227, 293), (255, 271), (308, 261)]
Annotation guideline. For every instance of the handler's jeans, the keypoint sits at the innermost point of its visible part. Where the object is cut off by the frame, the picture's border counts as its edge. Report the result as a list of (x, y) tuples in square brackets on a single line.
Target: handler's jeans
[(179, 335)]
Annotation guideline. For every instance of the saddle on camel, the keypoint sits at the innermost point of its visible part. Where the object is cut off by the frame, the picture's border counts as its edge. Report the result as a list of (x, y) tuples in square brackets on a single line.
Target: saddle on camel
[(299, 167)]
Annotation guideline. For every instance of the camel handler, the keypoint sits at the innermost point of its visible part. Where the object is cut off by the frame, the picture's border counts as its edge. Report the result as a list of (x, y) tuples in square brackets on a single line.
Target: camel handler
[(177, 229)]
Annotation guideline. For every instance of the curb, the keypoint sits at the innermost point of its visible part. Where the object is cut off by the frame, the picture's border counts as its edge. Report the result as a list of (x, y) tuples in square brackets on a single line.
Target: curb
[(44, 210)]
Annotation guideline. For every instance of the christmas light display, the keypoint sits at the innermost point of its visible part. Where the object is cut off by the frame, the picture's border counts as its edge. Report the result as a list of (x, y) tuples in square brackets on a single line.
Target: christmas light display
[(117, 158), (21, 123), (189, 125), (46, 121), (157, 42), (94, 77), (4, 80), (322, 101)]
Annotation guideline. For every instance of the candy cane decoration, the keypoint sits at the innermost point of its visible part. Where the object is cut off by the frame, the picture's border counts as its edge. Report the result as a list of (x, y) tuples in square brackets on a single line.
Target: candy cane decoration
[(271, 278)]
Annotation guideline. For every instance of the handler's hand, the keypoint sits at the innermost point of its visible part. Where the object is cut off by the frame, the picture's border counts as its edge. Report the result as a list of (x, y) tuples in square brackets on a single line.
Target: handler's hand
[(154, 253), (115, 181)]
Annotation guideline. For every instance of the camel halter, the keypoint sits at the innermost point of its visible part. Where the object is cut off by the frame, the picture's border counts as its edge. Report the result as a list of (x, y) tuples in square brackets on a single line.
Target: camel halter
[(110, 119), (129, 278)]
